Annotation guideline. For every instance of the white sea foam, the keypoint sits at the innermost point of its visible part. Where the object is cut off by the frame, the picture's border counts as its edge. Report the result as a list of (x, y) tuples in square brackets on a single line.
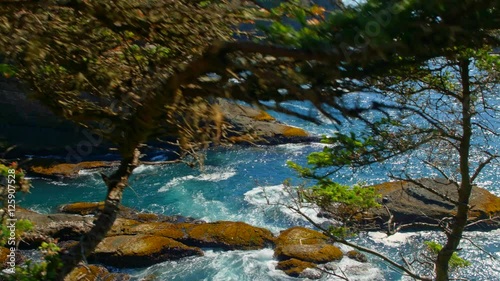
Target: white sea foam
[(59, 183), (394, 240), (216, 176), (144, 168), (356, 271), (277, 196), (85, 172)]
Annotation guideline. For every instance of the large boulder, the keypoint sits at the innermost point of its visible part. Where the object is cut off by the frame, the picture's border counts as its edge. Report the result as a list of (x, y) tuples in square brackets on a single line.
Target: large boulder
[(298, 248), (140, 250), (226, 235), (300, 236), (410, 203), (318, 253)]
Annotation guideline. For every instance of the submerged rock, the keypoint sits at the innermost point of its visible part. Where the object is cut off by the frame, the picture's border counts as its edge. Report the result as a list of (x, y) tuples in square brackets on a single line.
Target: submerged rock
[(140, 250), (294, 267), (93, 272), (357, 256), (311, 273)]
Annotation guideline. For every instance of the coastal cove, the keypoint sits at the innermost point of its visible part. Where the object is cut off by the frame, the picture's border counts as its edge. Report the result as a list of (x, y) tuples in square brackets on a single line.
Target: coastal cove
[(231, 187)]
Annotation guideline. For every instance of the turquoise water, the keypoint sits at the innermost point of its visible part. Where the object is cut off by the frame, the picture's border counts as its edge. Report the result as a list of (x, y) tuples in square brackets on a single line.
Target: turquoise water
[(234, 185), (231, 187)]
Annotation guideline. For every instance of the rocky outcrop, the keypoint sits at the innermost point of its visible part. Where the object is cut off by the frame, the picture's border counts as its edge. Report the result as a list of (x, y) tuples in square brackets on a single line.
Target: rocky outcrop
[(410, 203), (30, 128), (134, 243), (94, 272), (94, 208), (257, 126), (299, 248), (56, 169), (48, 227), (140, 250)]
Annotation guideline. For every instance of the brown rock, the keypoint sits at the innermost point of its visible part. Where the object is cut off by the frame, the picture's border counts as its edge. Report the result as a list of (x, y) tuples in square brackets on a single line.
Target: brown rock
[(293, 267), (301, 236), (410, 203), (95, 273), (3, 256), (319, 253), (226, 235), (82, 208), (257, 126), (47, 227), (54, 169), (94, 208), (140, 250), (307, 245), (132, 227)]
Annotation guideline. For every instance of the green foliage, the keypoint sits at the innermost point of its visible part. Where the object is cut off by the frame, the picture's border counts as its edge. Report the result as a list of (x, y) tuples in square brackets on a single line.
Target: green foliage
[(455, 261), (7, 70), (341, 232), (346, 204), (357, 196), (21, 183), (6, 170), (22, 226), (44, 271)]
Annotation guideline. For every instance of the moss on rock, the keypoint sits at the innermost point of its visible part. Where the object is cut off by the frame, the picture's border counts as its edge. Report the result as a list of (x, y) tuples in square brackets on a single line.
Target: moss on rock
[(289, 131), (140, 250), (227, 235), (319, 253), (82, 208), (263, 116), (300, 235)]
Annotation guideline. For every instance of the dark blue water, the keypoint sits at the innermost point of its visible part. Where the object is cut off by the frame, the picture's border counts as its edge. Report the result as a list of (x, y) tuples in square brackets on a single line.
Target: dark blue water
[(234, 185)]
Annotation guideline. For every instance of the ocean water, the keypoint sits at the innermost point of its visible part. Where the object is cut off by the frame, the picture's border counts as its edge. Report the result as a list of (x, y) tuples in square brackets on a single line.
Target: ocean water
[(236, 184)]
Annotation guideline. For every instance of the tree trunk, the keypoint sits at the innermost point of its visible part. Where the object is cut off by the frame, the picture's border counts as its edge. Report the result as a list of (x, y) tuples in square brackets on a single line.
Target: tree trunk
[(89, 241), (465, 189)]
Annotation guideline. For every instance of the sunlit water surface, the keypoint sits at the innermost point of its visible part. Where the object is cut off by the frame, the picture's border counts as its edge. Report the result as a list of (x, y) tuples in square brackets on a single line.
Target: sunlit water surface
[(233, 186)]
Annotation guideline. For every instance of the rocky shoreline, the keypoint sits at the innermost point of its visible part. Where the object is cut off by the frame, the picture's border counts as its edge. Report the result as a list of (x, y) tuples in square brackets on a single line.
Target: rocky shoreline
[(142, 239)]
